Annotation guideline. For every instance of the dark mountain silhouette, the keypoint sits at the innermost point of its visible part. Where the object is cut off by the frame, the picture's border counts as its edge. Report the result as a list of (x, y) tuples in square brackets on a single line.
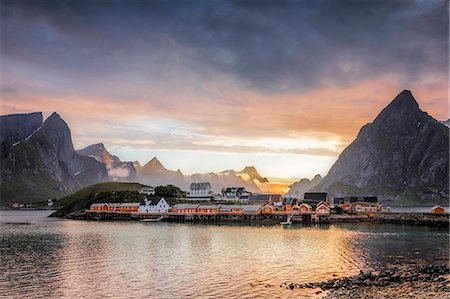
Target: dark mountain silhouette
[(402, 156)]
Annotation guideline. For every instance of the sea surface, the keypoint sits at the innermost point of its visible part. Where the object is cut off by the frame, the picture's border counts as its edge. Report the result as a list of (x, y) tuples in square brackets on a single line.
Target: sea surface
[(53, 258)]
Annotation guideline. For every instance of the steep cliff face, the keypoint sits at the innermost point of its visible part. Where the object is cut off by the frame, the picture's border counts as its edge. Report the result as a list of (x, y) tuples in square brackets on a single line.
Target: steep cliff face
[(402, 156), (117, 170), (16, 127), (299, 188), (45, 165)]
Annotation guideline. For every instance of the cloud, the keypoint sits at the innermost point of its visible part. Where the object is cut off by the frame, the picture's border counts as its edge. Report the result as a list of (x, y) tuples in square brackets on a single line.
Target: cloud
[(222, 75), (270, 46)]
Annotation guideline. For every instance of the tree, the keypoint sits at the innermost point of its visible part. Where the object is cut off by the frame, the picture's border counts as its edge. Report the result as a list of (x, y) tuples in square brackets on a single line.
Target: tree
[(168, 191)]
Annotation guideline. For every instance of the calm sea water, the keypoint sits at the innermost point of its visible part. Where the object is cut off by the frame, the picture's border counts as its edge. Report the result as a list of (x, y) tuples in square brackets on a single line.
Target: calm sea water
[(48, 258)]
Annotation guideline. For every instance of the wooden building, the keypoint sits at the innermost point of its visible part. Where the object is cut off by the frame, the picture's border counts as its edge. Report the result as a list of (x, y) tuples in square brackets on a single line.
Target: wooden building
[(208, 209), (322, 209), (305, 208), (267, 209), (288, 204), (437, 210), (313, 198), (185, 208)]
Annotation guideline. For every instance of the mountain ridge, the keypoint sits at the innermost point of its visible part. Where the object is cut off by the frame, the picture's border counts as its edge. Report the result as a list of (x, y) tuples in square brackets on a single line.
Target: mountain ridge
[(45, 165), (401, 157), (118, 170)]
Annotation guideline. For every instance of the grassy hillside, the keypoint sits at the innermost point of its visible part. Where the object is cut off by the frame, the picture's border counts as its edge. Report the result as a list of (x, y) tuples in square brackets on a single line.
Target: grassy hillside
[(29, 189), (103, 192)]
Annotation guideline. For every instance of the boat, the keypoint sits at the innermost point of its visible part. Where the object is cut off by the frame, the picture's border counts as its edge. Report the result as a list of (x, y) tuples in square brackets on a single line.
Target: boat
[(152, 219)]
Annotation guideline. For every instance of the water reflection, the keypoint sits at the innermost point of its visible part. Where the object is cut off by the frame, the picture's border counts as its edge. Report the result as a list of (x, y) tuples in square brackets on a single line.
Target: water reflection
[(134, 260)]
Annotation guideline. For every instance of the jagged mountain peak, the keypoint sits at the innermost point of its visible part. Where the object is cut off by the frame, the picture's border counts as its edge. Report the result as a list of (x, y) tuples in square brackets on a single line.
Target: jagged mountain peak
[(54, 117), (154, 164), (117, 170), (253, 174), (402, 155), (57, 130), (404, 106), (317, 177)]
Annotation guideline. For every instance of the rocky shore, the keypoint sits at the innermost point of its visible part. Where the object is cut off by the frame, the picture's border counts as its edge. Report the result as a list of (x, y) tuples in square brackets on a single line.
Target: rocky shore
[(394, 281)]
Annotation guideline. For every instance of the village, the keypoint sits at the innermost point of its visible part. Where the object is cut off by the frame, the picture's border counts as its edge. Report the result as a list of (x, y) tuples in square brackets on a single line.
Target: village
[(237, 204)]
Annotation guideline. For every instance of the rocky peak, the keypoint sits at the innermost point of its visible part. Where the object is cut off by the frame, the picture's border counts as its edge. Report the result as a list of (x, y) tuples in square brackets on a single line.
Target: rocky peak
[(17, 127), (403, 107), (253, 174), (154, 165), (317, 177), (402, 155), (58, 132)]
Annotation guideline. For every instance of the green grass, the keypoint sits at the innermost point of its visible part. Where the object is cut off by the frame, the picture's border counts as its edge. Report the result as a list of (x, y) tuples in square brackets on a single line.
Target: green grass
[(26, 188), (103, 192)]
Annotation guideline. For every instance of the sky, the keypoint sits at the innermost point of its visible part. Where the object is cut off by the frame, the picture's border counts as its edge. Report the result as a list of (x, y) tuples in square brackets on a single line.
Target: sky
[(212, 85)]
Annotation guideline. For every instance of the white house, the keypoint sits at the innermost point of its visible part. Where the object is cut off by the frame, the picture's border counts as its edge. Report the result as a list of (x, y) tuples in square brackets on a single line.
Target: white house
[(154, 204), (200, 190), (236, 193), (147, 190)]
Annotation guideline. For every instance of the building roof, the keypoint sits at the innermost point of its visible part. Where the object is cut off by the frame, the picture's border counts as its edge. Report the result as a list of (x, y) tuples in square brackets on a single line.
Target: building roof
[(291, 201), (152, 201), (186, 206), (315, 196), (263, 198), (130, 204), (99, 204), (370, 199), (305, 204), (351, 199), (338, 200), (208, 206), (201, 185), (227, 208), (322, 205), (250, 208), (435, 207)]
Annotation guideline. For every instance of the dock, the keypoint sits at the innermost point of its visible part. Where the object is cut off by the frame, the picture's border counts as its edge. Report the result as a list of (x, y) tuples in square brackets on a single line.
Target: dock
[(275, 217)]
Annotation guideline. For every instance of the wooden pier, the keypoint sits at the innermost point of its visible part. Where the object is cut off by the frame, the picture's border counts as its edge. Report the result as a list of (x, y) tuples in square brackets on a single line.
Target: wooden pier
[(275, 217)]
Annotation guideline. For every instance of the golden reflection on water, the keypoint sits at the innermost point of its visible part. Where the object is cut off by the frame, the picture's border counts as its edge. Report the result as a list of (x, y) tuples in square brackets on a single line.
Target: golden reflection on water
[(133, 260)]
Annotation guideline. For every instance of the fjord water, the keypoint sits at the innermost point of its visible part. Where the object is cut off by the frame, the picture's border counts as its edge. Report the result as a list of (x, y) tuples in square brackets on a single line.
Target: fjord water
[(46, 258)]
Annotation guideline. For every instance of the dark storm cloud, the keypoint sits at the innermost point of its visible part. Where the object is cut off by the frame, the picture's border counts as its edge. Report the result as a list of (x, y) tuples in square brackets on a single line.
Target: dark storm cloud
[(268, 46)]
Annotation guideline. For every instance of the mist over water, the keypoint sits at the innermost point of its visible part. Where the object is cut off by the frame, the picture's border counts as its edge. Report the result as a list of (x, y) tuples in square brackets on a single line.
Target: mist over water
[(42, 257)]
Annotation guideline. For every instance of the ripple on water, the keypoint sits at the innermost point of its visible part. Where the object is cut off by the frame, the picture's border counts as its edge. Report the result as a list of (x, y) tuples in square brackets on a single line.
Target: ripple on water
[(93, 259)]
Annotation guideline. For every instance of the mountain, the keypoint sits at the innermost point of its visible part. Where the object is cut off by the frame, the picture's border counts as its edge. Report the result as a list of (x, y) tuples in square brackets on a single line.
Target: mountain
[(401, 157), (44, 164), (248, 178), (299, 188), (117, 170), (250, 173), (154, 173), (16, 127)]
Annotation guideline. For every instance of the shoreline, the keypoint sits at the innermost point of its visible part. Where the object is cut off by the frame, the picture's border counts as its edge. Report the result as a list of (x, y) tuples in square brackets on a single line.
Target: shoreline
[(392, 281), (421, 219)]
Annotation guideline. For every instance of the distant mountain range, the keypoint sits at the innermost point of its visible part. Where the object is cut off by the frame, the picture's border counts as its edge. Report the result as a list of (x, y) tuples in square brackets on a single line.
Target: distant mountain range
[(38, 162), (117, 170), (402, 156), (154, 173), (299, 188)]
